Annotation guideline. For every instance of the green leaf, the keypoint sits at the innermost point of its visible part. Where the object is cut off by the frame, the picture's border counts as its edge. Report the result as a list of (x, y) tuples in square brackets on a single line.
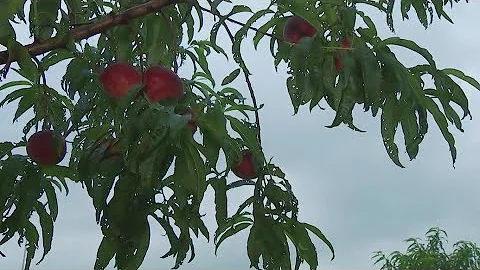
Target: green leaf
[(410, 128), (159, 37), (231, 77), (200, 15), (188, 19), (245, 204), (275, 194), (172, 237), (298, 234), (372, 30), (6, 149), (9, 8), (408, 44), (207, 44), (220, 188), (321, 236), (51, 200), (248, 134), (242, 108), (15, 95), (26, 102), (61, 173), (230, 222), (254, 248), (42, 18), (294, 91), (190, 171), (421, 12), (46, 222), (459, 74), (455, 92), (14, 83), (442, 123), (231, 231), (371, 75), (54, 57), (344, 109), (202, 61), (450, 113), (142, 241), (7, 33), (105, 253), (215, 136), (389, 123), (215, 28), (264, 29), (28, 68), (100, 189), (230, 91), (31, 234), (182, 249), (239, 9)]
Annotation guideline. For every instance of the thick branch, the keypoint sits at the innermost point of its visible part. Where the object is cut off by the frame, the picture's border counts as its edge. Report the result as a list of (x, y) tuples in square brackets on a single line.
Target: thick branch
[(86, 31)]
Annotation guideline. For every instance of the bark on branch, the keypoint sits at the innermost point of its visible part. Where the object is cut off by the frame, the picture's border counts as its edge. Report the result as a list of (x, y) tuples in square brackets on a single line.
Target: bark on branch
[(86, 31)]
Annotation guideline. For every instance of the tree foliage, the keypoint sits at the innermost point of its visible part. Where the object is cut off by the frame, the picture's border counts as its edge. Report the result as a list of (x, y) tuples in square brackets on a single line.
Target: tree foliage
[(162, 172), (432, 254)]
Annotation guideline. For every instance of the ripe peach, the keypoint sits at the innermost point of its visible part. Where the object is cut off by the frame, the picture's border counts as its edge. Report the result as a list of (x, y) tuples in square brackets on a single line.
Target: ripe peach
[(245, 169), (117, 78), (46, 148), (296, 29), (162, 83)]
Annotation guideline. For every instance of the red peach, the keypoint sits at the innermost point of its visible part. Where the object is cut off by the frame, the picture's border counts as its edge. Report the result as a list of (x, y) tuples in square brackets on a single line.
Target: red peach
[(117, 78), (162, 83), (46, 148), (245, 169), (296, 29)]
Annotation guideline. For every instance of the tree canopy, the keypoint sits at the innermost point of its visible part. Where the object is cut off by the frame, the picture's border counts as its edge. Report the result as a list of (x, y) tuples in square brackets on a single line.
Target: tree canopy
[(432, 254), (146, 128)]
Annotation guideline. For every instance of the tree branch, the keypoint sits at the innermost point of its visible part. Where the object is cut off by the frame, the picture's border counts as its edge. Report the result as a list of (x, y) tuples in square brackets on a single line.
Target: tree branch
[(245, 73), (86, 31)]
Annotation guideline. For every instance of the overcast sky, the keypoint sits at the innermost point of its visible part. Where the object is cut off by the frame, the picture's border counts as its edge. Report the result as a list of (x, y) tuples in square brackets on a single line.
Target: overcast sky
[(344, 180)]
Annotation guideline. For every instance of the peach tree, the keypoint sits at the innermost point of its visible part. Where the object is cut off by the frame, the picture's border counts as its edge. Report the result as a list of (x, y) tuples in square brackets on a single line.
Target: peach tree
[(145, 127), (431, 254)]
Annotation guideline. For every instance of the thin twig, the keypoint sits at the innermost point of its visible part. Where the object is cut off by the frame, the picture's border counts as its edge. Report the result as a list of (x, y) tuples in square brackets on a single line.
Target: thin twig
[(254, 100), (239, 23), (247, 80)]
